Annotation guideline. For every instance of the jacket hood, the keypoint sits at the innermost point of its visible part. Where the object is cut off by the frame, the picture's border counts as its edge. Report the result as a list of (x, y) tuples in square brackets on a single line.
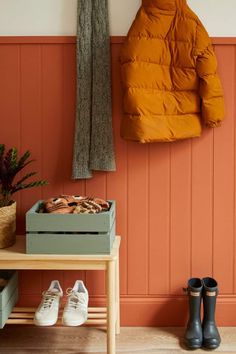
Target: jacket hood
[(170, 5)]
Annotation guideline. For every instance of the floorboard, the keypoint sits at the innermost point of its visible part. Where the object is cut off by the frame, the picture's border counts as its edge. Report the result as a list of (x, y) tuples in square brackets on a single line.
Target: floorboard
[(15, 339)]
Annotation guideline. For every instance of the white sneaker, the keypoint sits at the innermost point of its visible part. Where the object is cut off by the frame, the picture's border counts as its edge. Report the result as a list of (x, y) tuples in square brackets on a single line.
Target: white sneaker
[(47, 312), (76, 310)]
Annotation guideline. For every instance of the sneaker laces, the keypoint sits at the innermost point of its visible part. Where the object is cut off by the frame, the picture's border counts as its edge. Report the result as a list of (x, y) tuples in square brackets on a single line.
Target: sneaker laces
[(76, 299), (48, 299)]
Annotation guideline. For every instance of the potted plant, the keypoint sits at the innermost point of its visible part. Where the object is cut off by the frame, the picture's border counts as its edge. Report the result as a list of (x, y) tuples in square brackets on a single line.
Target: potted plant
[(10, 166)]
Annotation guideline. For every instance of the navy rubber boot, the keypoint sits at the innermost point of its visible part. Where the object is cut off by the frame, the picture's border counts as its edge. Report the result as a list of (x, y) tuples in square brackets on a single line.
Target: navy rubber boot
[(193, 334), (211, 336)]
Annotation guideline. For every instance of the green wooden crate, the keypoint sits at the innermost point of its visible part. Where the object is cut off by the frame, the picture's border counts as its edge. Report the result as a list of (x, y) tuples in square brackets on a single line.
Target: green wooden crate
[(70, 233), (8, 296)]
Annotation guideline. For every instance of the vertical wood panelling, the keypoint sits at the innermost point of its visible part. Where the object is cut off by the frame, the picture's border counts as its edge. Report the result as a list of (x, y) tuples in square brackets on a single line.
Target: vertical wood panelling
[(180, 221), (159, 218), (202, 205), (10, 106), (138, 205), (68, 120), (10, 95), (30, 282), (117, 182), (224, 174), (96, 186), (175, 202), (31, 115), (53, 141), (31, 131)]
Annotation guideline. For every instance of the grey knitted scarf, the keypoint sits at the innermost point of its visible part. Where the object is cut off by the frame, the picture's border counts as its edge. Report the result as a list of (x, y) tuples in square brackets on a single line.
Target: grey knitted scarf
[(93, 144)]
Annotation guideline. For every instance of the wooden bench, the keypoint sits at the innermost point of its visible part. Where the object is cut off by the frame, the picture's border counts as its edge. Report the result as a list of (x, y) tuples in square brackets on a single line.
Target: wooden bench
[(15, 258)]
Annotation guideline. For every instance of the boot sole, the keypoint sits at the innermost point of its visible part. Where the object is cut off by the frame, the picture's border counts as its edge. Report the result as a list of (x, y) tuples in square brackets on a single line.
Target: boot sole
[(193, 346), (211, 346)]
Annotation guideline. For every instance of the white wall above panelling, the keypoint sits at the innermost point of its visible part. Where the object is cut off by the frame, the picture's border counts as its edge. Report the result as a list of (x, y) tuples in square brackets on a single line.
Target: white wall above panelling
[(58, 17), (37, 17), (122, 13), (218, 16)]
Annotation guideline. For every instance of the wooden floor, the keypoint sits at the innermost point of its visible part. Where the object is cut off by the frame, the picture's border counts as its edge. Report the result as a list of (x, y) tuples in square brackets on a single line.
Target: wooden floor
[(64, 340)]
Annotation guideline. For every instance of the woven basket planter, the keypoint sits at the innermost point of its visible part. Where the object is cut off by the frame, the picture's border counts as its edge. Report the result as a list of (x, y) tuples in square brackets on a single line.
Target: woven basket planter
[(7, 225)]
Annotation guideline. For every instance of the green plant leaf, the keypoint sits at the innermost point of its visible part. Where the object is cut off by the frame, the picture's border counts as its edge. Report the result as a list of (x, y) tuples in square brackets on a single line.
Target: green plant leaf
[(20, 182), (14, 163), (28, 175), (10, 161), (19, 168), (9, 168), (30, 185), (23, 158)]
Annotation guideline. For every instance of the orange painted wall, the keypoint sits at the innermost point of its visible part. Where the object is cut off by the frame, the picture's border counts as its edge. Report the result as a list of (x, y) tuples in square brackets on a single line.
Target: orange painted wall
[(175, 202)]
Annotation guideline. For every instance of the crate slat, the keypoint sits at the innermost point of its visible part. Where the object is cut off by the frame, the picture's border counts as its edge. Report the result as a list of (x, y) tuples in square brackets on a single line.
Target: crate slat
[(101, 222)]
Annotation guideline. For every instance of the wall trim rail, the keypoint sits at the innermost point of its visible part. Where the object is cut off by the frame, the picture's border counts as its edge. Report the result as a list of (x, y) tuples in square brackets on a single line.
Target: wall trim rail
[(72, 39)]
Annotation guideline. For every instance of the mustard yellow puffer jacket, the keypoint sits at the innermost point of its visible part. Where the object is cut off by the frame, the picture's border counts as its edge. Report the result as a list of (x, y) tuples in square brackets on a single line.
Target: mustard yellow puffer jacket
[(169, 75)]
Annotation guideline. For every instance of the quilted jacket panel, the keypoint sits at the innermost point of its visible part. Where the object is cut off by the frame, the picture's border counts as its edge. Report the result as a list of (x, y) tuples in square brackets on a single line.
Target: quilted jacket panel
[(169, 75)]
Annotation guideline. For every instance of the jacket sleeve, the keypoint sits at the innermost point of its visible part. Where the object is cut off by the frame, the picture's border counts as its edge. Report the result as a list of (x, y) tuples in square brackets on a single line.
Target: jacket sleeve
[(210, 88)]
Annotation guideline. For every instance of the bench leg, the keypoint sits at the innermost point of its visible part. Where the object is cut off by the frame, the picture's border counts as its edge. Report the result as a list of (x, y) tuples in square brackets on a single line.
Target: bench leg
[(111, 307), (117, 296)]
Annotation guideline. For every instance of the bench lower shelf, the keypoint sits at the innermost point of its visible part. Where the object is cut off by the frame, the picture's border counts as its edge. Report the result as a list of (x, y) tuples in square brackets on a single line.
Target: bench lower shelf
[(97, 316)]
